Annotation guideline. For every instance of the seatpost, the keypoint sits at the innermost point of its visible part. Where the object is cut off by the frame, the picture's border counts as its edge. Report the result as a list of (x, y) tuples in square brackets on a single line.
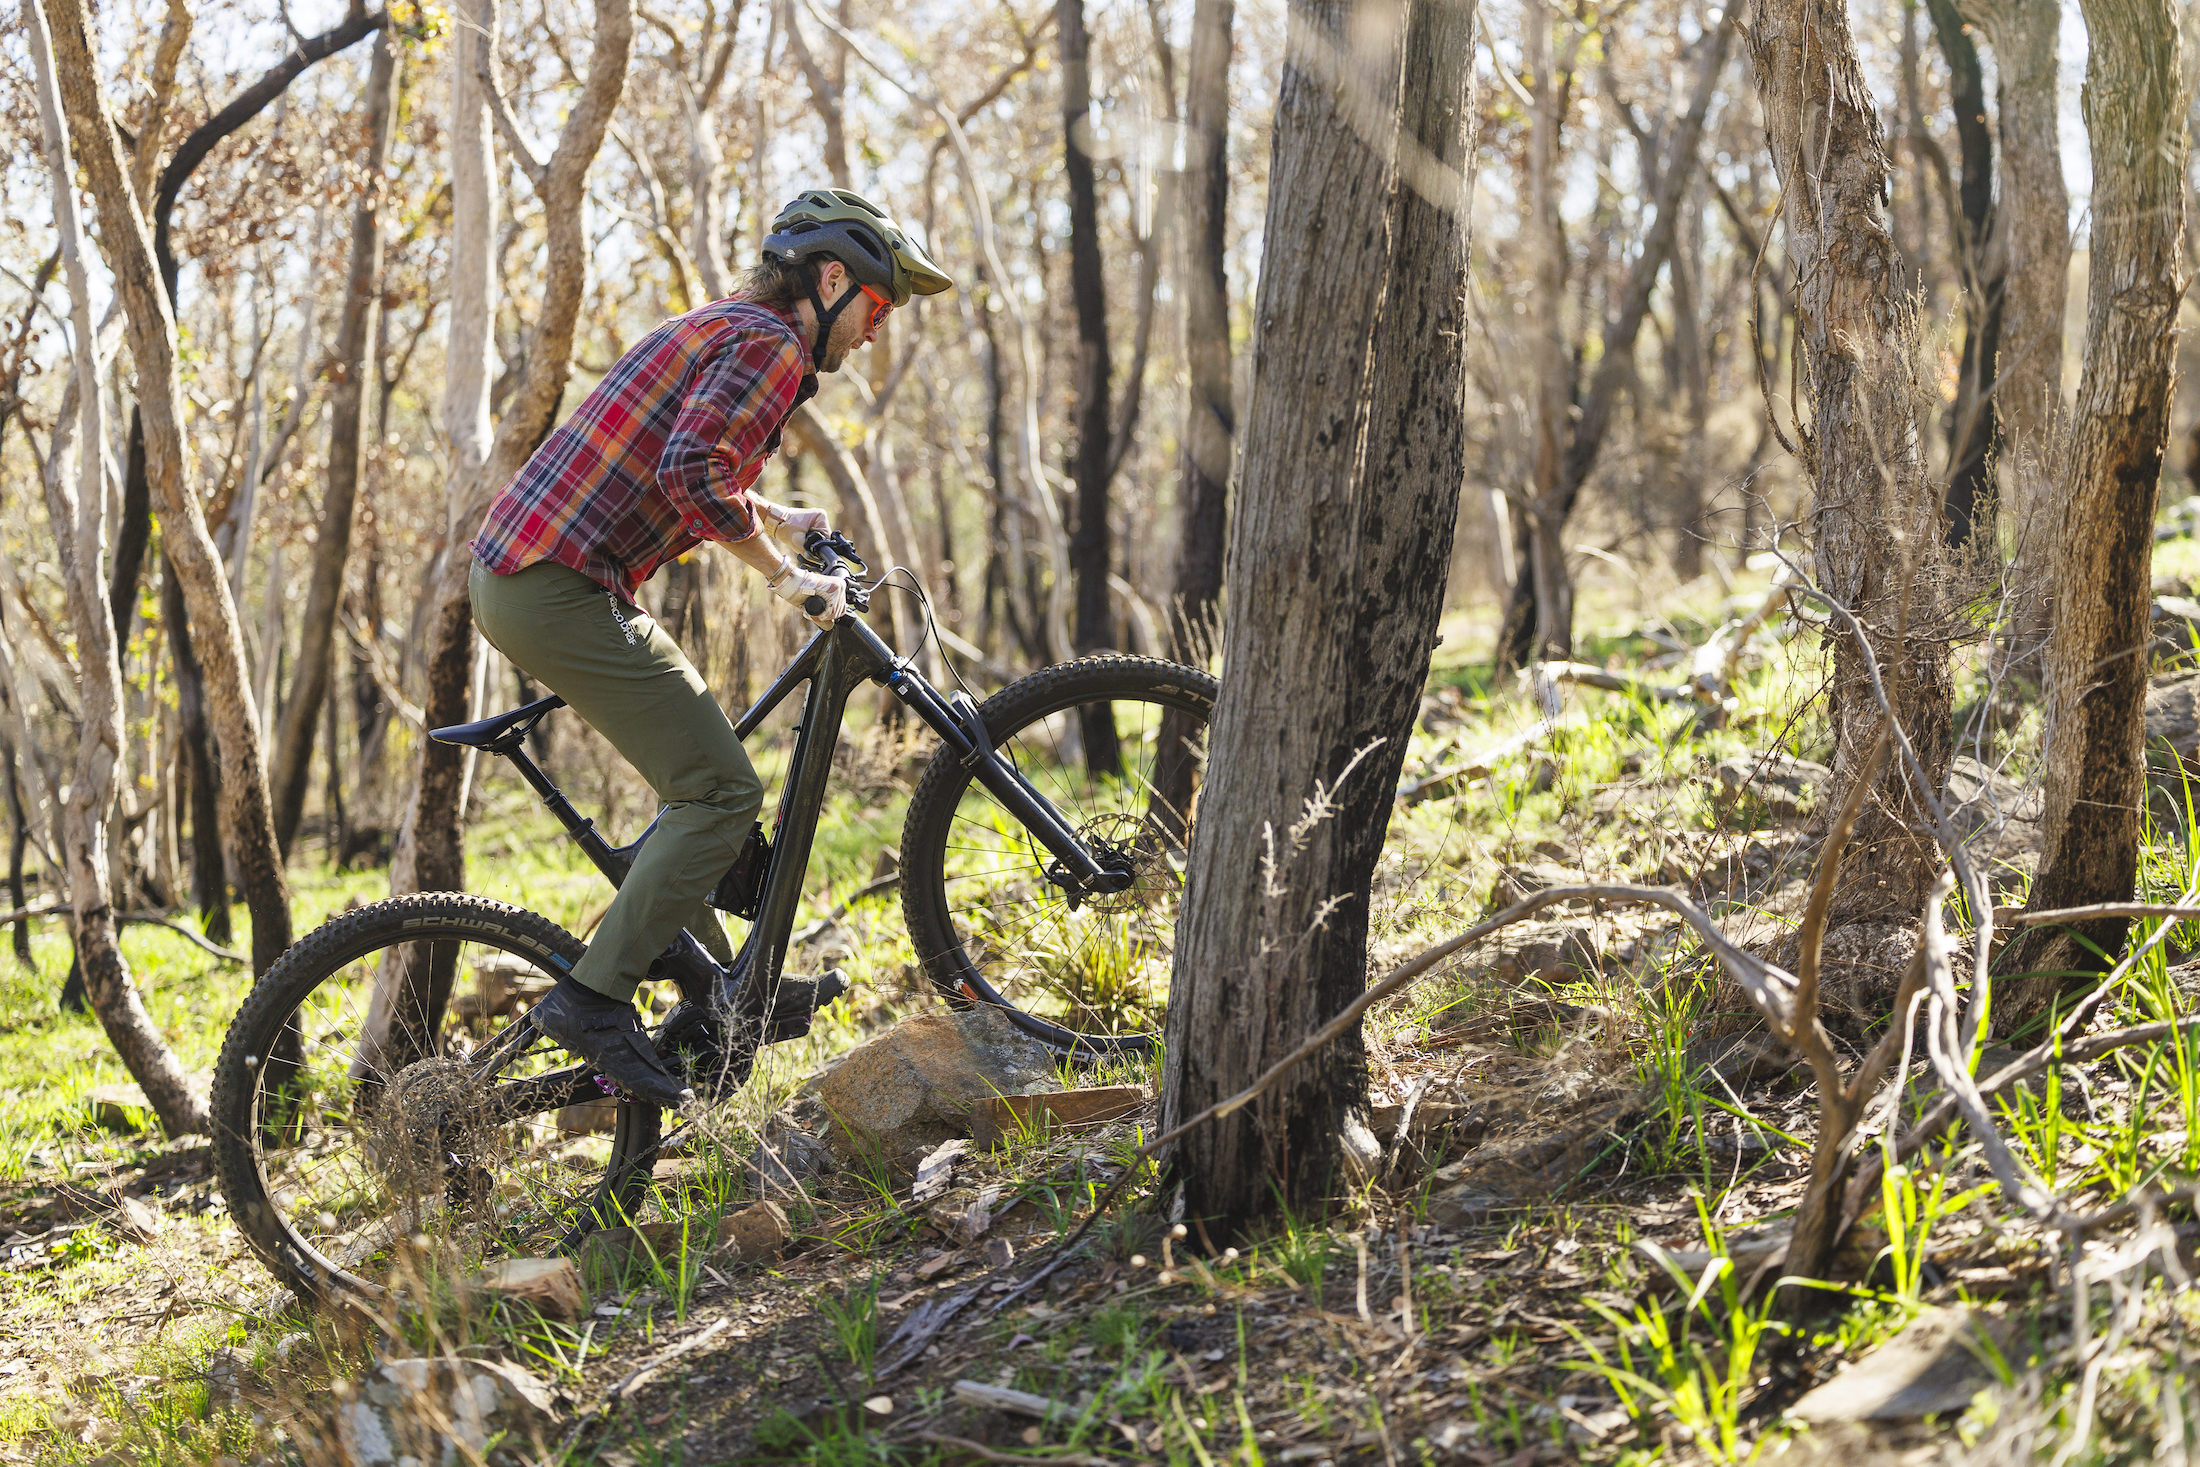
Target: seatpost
[(578, 826)]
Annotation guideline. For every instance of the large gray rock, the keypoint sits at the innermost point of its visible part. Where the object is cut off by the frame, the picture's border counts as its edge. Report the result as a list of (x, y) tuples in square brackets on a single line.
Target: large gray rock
[(440, 1412), (2173, 714), (913, 1087)]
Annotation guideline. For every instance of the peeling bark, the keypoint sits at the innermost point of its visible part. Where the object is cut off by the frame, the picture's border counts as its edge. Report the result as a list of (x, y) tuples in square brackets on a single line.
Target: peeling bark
[(1875, 520), (1354, 460), (2095, 721)]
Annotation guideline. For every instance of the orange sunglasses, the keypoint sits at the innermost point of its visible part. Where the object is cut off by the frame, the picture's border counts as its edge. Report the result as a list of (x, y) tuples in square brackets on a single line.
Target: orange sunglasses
[(881, 311)]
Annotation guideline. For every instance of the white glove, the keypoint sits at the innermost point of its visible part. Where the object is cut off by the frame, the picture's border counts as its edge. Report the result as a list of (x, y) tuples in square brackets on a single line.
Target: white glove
[(793, 583), (799, 522)]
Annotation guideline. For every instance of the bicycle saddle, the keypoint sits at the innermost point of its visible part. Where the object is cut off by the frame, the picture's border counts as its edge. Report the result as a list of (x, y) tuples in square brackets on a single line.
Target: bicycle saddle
[(502, 731)]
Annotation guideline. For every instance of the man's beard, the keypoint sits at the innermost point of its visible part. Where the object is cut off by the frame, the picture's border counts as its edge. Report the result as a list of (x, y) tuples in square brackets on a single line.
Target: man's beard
[(837, 348)]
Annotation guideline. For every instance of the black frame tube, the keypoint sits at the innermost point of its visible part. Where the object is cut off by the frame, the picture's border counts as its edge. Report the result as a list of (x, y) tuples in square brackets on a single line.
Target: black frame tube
[(835, 663)]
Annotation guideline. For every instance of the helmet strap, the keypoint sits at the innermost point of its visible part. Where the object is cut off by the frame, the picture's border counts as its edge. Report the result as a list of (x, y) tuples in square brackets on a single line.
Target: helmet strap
[(826, 316)]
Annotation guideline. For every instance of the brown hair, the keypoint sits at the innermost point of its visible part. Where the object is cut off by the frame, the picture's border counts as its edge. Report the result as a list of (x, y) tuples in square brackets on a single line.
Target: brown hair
[(775, 283)]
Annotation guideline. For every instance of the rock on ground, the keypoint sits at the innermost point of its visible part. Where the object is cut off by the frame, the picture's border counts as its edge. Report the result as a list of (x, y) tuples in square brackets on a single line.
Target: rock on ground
[(752, 1234), (913, 1087), (552, 1285), (1934, 1366), (998, 1117), (438, 1413)]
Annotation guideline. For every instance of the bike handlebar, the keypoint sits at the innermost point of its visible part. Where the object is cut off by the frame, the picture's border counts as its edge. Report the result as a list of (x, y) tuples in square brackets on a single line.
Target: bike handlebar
[(832, 555)]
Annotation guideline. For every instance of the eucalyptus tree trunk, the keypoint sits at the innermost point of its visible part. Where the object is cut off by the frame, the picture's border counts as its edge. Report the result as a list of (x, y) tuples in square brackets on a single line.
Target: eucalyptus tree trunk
[(2095, 724), (128, 246), (2032, 236), (1973, 422), (1210, 414), (1875, 520), (79, 516), (347, 451), (1090, 551), (430, 853), (1355, 453), (134, 533)]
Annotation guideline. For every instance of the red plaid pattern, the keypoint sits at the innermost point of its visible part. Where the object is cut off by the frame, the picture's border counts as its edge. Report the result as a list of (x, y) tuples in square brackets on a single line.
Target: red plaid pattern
[(661, 456)]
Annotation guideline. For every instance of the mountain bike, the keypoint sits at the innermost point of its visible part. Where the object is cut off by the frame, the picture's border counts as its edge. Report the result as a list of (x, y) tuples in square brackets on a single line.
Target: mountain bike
[(382, 1085)]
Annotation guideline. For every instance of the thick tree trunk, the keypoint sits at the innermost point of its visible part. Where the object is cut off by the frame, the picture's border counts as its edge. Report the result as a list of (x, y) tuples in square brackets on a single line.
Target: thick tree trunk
[(1875, 519), (190, 549), (347, 451), (79, 518), (1539, 618), (1973, 418), (1090, 553), (2095, 723), (1342, 533), (430, 856)]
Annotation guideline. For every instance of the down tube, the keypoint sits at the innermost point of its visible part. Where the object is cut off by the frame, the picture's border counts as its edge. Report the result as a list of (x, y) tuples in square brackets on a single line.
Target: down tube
[(838, 671)]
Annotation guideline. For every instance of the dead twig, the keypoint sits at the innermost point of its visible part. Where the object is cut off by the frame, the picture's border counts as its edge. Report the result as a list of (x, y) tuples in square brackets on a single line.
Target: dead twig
[(2180, 910)]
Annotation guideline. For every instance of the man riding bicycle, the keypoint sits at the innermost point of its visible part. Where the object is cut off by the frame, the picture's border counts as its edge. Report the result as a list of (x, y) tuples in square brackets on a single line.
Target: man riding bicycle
[(660, 457)]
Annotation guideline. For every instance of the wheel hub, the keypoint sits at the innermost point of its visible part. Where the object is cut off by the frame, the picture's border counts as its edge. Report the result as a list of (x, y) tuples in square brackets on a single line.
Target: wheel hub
[(1116, 842)]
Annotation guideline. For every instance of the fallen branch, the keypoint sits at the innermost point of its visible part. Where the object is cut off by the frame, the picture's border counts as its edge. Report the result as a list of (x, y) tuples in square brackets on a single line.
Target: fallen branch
[(2107, 909), (1481, 765), (924, 1325), (1770, 987), (1583, 674), (1864, 1186), (639, 1376), (147, 919), (1018, 1403)]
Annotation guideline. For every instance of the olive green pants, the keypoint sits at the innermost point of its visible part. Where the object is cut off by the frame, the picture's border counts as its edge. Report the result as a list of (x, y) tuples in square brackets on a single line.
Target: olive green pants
[(621, 672)]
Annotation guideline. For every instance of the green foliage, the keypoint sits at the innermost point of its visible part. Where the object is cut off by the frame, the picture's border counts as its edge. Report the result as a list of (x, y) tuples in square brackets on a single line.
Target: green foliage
[(1695, 1362)]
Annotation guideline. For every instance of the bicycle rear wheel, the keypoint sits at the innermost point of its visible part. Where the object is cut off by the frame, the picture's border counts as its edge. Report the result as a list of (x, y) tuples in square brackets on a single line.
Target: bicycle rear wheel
[(1118, 746), (351, 1176)]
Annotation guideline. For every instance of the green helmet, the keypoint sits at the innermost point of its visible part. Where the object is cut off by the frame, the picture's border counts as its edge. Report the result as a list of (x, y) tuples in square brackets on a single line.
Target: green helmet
[(836, 224)]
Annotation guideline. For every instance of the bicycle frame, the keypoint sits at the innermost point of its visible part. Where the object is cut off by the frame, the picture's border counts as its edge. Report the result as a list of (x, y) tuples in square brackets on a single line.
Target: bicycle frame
[(834, 662)]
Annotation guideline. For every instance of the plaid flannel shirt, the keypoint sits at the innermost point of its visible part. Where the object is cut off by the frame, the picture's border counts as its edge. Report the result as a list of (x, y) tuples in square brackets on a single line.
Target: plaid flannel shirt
[(661, 456)]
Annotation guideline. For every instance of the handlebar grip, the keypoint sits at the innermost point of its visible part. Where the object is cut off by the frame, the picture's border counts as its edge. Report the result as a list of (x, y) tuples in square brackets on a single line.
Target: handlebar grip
[(814, 605)]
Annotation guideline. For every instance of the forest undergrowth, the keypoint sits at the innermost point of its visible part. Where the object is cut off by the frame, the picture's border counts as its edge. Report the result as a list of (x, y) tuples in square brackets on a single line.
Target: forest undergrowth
[(1589, 1146)]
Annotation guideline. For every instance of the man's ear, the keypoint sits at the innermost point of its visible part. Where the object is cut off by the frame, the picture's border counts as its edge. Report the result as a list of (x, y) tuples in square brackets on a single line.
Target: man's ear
[(832, 281)]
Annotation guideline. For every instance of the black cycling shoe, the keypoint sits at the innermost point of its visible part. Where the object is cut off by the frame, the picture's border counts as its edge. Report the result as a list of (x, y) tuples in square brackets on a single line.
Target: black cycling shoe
[(607, 1034)]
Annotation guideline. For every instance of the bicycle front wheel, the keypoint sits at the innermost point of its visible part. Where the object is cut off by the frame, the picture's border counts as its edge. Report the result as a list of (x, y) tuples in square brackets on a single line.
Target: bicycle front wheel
[(1118, 745), (354, 1170)]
